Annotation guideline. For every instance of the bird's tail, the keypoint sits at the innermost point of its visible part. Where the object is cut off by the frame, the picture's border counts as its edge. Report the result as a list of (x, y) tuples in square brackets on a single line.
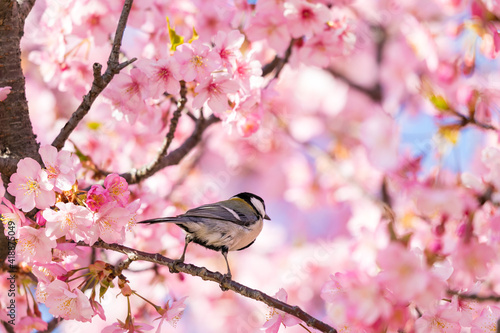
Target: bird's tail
[(160, 220)]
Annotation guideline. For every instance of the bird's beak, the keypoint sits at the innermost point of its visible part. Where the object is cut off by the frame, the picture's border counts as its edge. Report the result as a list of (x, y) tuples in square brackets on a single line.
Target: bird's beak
[(267, 217)]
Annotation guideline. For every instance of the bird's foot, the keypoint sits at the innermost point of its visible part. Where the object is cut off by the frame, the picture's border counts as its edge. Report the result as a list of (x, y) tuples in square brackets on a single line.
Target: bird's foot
[(227, 278), (174, 269)]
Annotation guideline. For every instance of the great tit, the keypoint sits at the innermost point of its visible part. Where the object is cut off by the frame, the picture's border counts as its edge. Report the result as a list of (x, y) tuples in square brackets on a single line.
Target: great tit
[(229, 225)]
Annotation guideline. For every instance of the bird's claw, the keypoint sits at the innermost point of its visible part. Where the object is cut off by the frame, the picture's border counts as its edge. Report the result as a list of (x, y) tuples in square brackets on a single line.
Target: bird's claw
[(227, 278), (174, 269)]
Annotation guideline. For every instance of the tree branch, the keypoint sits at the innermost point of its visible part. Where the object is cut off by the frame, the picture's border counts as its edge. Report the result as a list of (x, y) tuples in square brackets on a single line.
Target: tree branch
[(173, 122), (374, 92), (8, 327), (278, 63), (162, 161), (52, 325), (99, 82), (225, 284), (475, 297), (17, 139)]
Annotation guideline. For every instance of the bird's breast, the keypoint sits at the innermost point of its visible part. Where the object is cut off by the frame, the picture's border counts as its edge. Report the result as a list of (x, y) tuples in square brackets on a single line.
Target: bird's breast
[(246, 236)]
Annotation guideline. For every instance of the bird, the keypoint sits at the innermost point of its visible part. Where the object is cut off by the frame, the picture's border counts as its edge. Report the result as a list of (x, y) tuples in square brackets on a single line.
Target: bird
[(228, 225)]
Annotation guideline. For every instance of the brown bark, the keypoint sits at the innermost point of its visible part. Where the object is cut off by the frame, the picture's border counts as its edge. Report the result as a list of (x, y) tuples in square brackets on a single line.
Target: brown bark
[(17, 139)]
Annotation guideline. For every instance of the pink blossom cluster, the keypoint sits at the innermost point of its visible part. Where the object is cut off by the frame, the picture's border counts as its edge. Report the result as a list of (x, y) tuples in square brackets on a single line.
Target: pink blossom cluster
[(223, 80), (222, 72), (48, 244), (34, 186), (371, 234)]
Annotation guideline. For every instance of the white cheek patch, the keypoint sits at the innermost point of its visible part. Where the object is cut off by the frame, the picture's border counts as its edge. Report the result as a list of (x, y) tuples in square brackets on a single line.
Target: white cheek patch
[(258, 205)]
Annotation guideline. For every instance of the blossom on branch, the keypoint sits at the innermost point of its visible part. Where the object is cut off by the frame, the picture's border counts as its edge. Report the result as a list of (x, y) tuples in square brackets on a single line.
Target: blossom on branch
[(171, 313), (70, 221), (66, 303), (60, 167), (34, 245), (277, 317), (31, 186), (196, 61), (214, 91)]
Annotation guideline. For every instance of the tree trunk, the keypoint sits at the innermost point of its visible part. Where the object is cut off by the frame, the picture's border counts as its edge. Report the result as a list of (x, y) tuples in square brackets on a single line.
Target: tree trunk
[(17, 139)]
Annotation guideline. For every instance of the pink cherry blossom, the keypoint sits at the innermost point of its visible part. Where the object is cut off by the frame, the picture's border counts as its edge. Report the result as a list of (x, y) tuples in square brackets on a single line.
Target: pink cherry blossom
[(420, 39), (442, 319), (70, 221), (60, 167), (402, 272), (121, 327), (135, 84), (472, 260), (30, 187), (10, 213), (165, 74), (171, 313), (270, 24), (487, 320), (196, 61), (318, 50), (127, 94), (354, 298), (97, 197), (109, 223), (277, 317), (118, 189), (228, 46), (47, 273), (245, 69), (66, 303), (248, 125), (305, 18), (214, 91), (28, 324), (34, 245), (4, 91), (39, 219), (124, 106), (95, 19), (98, 309)]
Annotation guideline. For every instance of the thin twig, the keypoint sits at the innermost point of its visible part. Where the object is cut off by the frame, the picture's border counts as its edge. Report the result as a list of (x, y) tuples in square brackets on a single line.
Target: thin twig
[(8, 327), (219, 278), (475, 297), (374, 92), (175, 120), (52, 325), (278, 63), (174, 157), (99, 82)]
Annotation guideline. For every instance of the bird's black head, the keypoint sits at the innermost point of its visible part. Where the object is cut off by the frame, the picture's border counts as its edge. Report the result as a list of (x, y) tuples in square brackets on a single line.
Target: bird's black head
[(255, 201)]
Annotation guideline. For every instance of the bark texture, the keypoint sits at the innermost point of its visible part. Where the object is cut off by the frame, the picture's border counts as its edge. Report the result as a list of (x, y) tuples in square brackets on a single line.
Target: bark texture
[(17, 139)]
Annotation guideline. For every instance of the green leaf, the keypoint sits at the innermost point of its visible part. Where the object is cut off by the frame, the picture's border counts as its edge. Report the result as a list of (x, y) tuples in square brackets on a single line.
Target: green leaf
[(81, 155), (105, 284), (439, 102), (175, 39), (94, 125), (195, 36), (450, 133)]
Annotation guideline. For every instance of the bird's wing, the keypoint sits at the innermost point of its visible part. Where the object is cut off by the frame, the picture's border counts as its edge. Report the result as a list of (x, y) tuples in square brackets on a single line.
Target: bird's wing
[(220, 211), (160, 220)]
